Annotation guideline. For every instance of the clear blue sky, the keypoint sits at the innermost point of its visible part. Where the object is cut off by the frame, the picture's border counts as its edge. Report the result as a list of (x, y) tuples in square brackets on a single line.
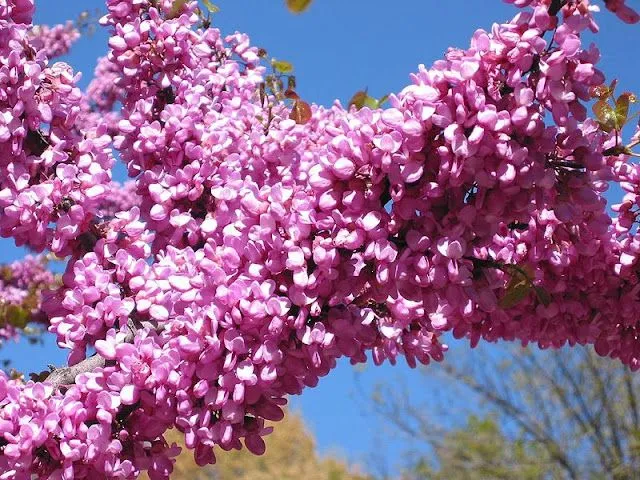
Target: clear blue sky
[(337, 48)]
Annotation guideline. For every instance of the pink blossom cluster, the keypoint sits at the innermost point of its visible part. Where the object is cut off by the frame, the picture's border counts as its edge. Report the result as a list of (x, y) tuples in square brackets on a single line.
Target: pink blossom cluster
[(584, 7), (8, 332), (21, 286), (120, 197), (251, 252), (100, 100), (54, 41), (51, 172), (17, 11)]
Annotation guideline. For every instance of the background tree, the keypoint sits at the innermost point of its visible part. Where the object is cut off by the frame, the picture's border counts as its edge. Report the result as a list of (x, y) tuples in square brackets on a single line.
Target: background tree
[(291, 455), (480, 451), (564, 413)]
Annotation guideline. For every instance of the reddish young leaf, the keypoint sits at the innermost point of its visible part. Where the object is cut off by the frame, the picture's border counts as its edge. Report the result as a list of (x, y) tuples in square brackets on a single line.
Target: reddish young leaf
[(301, 112), (599, 91), (291, 94), (603, 92)]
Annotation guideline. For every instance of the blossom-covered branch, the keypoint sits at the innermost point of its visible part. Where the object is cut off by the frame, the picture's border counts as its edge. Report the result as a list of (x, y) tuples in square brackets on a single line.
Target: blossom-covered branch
[(260, 246)]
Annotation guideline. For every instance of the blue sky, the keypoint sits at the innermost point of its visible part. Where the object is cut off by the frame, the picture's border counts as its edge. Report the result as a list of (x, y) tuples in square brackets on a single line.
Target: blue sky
[(339, 47)]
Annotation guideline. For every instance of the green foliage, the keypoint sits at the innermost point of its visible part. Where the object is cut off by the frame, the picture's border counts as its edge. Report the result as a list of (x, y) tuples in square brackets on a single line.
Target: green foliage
[(14, 315), (480, 451), (543, 296)]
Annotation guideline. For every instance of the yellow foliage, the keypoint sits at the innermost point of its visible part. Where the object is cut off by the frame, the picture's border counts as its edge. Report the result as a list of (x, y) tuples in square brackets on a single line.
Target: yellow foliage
[(291, 455)]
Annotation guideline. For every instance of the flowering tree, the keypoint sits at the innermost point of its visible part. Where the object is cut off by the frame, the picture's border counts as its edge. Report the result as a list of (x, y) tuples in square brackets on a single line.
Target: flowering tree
[(263, 238)]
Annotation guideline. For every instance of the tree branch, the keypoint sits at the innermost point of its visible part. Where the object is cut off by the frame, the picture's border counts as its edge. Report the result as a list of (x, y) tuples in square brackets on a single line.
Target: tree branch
[(521, 418), (631, 397), (67, 375), (62, 376), (611, 418), (598, 438)]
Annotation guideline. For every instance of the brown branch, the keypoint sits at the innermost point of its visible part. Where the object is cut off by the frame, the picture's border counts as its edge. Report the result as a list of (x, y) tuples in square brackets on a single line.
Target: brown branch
[(598, 438), (556, 6), (67, 375), (581, 413), (526, 361), (611, 418), (62, 376)]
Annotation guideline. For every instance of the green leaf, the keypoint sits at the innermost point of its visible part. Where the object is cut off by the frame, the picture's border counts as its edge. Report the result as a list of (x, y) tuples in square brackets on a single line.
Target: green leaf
[(617, 150), (371, 102), (622, 108), (515, 295), (210, 6), (605, 114), (298, 6), (517, 289), (281, 66), (358, 100), (291, 82), (543, 296), (363, 99)]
